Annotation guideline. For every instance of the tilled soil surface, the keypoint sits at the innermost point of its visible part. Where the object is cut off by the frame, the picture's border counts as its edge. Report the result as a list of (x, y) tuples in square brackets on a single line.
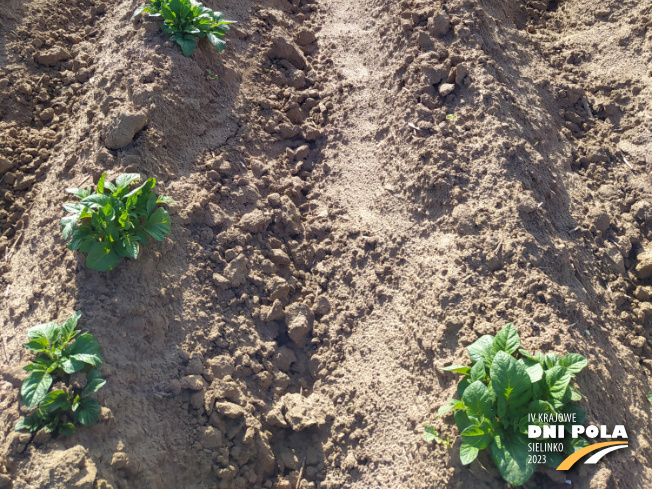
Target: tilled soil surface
[(366, 188)]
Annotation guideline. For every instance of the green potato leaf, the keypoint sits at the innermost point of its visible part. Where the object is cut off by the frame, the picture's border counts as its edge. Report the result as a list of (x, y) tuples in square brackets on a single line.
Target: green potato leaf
[(550, 360), (217, 42), (88, 411), (144, 188), (102, 257), (80, 193), (510, 381), (96, 201), (478, 436), (68, 328), (537, 389), (526, 354), (468, 453), (85, 349), (49, 331), (158, 224), (82, 239), (450, 406), (93, 386), (36, 367), (573, 362), (38, 345), (52, 425), (32, 423), (74, 208), (462, 385), (478, 372), (93, 374), (47, 363), (478, 401), (35, 388), (130, 246), (126, 179), (510, 454), (151, 203), (481, 350), (72, 365), (67, 429), (187, 45), (460, 369), (533, 368), (167, 13), (68, 225), (55, 401), (462, 420), (100, 184), (557, 380), (506, 340), (140, 10)]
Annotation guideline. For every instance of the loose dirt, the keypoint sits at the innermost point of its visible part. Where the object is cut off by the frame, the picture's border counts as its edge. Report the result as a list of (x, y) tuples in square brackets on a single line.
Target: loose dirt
[(365, 189)]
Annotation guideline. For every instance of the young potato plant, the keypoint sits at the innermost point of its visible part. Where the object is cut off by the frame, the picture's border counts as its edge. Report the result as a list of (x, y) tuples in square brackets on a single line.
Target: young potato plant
[(497, 392), (186, 21), (115, 220), (60, 352)]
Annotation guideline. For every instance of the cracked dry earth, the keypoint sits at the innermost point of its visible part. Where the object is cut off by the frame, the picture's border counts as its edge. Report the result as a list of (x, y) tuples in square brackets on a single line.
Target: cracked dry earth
[(366, 189)]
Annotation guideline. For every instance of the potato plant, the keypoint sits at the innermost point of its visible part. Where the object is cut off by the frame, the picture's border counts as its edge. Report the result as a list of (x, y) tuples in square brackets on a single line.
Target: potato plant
[(60, 352), (186, 21), (115, 220), (499, 389)]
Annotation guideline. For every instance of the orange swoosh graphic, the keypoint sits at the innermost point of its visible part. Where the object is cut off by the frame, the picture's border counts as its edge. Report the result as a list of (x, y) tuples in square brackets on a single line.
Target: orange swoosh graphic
[(571, 459)]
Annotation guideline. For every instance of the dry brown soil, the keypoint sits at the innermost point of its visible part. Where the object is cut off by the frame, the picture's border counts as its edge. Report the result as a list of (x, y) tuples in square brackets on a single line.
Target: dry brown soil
[(367, 188)]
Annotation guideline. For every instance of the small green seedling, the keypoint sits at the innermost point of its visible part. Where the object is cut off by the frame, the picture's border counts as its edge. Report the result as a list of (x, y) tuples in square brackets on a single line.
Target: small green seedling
[(451, 117), (430, 434), (114, 220), (186, 21), (210, 76), (60, 352), (499, 390), (649, 396)]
